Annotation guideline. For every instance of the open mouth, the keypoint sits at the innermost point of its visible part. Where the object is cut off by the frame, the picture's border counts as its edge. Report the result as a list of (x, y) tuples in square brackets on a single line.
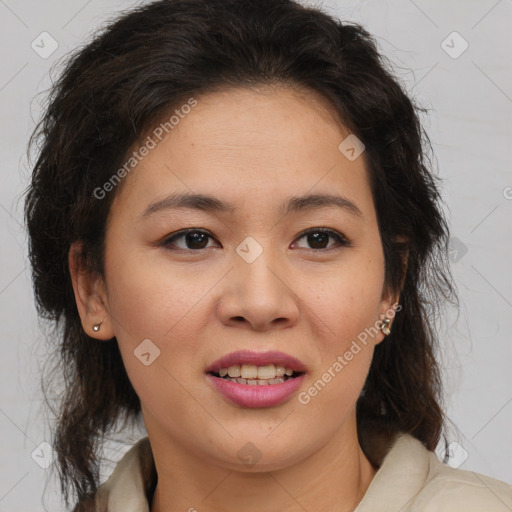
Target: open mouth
[(253, 375)]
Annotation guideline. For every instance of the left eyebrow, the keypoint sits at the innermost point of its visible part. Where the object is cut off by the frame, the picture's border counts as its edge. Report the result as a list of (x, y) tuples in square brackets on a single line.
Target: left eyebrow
[(314, 201), (208, 203)]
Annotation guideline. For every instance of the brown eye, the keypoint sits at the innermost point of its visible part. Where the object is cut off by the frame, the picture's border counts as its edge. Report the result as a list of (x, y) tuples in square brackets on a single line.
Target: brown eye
[(318, 239), (193, 239)]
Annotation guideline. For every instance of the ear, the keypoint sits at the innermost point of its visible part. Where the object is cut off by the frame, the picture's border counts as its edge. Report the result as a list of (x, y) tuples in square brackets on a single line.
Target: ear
[(90, 296), (389, 307), (390, 300)]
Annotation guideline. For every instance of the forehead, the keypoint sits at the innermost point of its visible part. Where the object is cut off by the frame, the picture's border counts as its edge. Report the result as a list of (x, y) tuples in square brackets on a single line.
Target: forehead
[(256, 144), (264, 117)]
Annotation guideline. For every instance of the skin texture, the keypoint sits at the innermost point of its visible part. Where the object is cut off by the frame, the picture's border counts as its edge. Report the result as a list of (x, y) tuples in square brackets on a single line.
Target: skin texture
[(253, 148)]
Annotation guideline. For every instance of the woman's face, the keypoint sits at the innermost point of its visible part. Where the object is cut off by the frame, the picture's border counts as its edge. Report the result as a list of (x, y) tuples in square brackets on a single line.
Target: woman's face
[(247, 278)]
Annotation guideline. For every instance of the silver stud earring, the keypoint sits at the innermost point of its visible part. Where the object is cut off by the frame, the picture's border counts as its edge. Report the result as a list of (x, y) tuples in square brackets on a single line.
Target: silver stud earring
[(96, 327), (385, 326)]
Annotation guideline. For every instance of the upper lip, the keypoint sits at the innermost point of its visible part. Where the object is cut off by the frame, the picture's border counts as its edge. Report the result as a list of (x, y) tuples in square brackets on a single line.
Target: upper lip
[(258, 358)]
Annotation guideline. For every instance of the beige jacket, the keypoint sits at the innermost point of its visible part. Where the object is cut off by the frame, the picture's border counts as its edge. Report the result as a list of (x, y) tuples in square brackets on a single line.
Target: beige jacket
[(410, 479)]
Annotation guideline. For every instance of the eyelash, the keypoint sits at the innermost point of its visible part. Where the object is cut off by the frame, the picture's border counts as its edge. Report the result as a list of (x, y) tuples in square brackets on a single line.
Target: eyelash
[(342, 240)]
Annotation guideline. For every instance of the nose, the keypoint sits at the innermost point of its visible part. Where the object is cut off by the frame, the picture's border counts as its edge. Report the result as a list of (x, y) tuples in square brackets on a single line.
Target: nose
[(259, 295)]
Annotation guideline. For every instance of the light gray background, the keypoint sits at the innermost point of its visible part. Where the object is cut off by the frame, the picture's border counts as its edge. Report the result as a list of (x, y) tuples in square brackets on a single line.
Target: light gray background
[(471, 101)]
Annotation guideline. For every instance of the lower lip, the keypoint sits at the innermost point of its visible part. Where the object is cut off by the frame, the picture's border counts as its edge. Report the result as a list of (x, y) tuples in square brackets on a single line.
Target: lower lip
[(266, 395)]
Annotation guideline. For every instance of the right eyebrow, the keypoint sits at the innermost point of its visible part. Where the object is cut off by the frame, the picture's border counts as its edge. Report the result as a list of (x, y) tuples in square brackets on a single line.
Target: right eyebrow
[(191, 201)]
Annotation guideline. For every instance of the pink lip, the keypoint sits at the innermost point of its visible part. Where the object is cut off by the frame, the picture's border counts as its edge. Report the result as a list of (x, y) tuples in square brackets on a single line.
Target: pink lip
[(247, 395), (259, 359)]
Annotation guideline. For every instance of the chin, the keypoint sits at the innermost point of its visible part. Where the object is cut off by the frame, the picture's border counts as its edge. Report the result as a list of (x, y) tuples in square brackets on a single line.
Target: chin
[(263, 455)]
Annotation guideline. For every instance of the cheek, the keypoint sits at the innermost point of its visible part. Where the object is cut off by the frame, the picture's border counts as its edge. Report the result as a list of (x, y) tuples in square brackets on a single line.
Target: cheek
[(346, 311), (348, 299), (345, 357), (147, 300)]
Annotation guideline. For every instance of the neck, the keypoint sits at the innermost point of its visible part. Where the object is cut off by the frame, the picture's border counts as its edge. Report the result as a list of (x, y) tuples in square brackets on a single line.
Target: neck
[(333, 479)]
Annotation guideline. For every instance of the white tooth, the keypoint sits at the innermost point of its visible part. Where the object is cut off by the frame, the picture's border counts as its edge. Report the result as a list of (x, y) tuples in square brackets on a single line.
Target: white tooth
[(288, 372), (234, 371), (262, 382), (277, 380), (241, 381), (223, 372), (252, 382), (266, 372), (280, 371), (249, 371)]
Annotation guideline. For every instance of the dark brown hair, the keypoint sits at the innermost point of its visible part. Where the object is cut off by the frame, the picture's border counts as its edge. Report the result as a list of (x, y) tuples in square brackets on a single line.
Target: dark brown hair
[(135, 71)]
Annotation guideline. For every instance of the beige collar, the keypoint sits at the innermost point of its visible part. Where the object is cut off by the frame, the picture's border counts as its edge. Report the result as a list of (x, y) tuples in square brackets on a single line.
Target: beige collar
[(134, 478)]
